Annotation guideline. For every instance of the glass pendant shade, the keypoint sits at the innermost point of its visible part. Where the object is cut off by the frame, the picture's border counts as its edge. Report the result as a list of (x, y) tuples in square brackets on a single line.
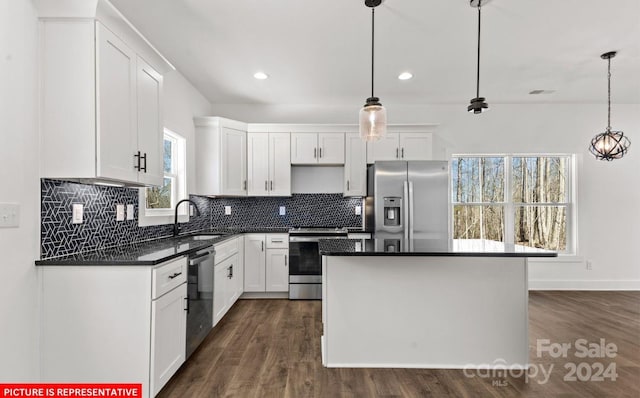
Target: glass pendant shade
[(609, 145), (373, 120)]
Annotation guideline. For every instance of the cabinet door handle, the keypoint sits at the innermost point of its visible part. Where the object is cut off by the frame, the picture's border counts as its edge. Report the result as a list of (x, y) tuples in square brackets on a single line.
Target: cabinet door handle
[(265, 185), (144, 157), (262, 245), (230, 275), (402, 153), (320, 150), (186, 302), (245, 185), (285, 260), (271, 182), (137, 156), (315, 152), (397, 153), (347, 185), (276, 240), (175, 274)]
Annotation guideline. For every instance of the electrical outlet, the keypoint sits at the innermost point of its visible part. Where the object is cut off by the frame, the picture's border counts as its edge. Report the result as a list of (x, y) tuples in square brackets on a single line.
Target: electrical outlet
[(77, 213), (283, 210), (227, 210), (589, 265), (358, 210), (130, 212), (119, 212), (9, 215)]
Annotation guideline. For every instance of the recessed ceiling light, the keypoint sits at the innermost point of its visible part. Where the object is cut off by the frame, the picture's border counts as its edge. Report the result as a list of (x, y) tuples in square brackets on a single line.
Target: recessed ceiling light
[(260, 75), (405, 76)]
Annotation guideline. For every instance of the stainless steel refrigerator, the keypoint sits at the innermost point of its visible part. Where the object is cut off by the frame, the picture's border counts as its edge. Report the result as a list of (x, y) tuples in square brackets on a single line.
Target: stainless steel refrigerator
[(409, 200)]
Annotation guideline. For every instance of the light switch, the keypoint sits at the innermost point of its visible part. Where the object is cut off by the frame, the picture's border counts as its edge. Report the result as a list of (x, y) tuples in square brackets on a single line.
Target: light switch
[(119, 212), (9, 215), (130, 212), (283, 210), (358, 210), (77, 214), (227, 210)]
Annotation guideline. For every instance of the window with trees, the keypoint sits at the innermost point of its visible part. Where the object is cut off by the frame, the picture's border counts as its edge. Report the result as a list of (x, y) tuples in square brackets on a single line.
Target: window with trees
[(157, 203), (521, 199)]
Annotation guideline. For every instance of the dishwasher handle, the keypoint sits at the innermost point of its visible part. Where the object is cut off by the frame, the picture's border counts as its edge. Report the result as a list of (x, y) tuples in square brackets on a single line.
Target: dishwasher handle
[(201, 257)]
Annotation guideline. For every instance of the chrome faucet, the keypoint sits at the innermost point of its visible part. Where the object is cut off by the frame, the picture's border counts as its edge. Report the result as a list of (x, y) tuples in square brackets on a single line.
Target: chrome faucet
[(176, 228)]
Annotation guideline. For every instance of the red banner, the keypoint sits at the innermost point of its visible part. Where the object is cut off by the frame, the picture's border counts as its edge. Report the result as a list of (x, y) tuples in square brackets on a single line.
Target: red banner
[(56, 390)]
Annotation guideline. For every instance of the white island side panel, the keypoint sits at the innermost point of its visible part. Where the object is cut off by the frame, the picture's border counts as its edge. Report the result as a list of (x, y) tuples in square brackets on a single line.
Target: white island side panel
[(424, 312)]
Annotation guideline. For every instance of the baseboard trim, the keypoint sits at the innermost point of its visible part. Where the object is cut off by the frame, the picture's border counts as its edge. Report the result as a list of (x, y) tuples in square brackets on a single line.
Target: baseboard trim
[(584, 285)]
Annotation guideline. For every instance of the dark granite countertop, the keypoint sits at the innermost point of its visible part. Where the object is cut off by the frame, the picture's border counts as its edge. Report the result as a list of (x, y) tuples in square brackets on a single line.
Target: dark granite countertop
[(428, 247)]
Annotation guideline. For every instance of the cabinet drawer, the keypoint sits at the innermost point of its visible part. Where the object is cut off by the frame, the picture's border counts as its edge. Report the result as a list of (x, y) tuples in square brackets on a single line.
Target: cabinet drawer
[(277, 241), (167, 276), (226, 249)]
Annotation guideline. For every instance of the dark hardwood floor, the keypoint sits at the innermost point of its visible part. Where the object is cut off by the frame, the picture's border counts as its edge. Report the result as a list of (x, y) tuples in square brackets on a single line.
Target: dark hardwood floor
[(271, 348)]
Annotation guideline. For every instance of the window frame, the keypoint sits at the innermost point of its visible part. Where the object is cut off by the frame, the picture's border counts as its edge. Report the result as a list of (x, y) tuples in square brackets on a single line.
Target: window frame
[(508, 204), (147, 217)]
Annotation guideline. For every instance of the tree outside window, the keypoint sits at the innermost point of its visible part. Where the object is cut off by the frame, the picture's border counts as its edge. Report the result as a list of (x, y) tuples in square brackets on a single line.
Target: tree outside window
[(515, 199)]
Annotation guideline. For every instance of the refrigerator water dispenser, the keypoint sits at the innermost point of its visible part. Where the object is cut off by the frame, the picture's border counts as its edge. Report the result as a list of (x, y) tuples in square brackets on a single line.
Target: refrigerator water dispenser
[(392, 211)]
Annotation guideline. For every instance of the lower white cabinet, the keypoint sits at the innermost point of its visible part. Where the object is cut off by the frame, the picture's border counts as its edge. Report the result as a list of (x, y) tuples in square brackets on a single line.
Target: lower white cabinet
[(168, 338), (227, 276), (113, 323), (266, 263)]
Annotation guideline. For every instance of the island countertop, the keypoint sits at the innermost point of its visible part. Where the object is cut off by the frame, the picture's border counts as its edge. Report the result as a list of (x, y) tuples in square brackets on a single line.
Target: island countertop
[(428, 247)]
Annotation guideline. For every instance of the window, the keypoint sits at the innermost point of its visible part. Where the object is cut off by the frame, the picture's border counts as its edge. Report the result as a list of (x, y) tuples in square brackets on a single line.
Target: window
[(521, 199), (157, 203)]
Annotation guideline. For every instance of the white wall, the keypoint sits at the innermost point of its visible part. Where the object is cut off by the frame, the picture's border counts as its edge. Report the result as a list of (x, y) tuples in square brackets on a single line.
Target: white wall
[(608, 194), (181, 103), (19, 183)]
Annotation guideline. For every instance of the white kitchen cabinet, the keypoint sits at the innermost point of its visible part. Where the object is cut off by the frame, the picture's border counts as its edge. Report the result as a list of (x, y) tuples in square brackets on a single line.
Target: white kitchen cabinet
[(254, 260), (221, 157), (401, 146), (168, 338), (269, 164), (143, 340), (266, 267), (277, 270), (317, 148), (150, 123), (227, 277), (100, 116), (355, 166)]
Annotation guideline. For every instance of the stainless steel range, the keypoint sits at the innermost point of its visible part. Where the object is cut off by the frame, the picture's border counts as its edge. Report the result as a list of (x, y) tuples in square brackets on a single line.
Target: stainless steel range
[(305, 263)]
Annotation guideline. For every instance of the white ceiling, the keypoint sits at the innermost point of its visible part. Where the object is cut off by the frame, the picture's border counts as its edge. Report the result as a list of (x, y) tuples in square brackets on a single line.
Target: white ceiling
[(318, 52)]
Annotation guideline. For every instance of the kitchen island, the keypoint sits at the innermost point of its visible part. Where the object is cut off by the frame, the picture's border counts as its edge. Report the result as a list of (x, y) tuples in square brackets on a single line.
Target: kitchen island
[(425, 303)]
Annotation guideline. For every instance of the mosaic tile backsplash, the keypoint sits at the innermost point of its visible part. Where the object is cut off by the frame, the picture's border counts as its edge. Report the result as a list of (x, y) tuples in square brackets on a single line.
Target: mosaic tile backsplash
[(59, 236)]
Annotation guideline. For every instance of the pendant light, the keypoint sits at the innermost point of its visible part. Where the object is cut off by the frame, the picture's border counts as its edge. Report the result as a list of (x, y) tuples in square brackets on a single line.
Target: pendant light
[(609, 145), (373, 116), (478, 104)]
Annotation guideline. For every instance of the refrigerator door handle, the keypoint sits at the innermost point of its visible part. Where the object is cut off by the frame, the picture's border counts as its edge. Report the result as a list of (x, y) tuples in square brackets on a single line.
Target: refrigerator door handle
[(411, 201), (405, 205)]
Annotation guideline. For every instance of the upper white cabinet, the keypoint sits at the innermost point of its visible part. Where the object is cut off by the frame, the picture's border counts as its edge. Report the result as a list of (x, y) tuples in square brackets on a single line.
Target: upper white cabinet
[(317, 148), (355, 165), (100, 111), (401, 146), (221, 157), (269, 164)]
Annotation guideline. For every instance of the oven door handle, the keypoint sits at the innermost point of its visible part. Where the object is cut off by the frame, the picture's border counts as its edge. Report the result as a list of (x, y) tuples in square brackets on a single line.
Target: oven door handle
[(295, 239)]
